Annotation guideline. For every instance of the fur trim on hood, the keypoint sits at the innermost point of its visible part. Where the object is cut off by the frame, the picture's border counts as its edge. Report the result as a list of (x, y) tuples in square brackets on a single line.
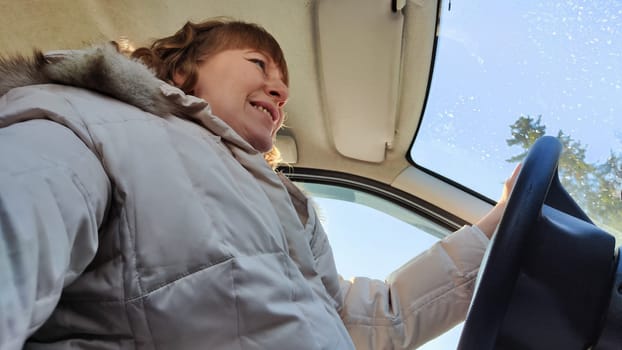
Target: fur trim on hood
[(98, 68)]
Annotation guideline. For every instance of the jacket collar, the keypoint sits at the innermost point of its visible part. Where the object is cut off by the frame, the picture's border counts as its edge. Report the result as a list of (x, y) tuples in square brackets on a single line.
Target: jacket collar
[(204, 116)]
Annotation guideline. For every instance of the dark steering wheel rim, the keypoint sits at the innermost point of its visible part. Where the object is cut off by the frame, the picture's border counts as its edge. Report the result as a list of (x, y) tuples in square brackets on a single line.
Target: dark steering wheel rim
[(501, 263)]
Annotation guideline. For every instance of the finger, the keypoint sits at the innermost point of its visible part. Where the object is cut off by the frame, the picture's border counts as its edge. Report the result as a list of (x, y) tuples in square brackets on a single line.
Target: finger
[(516, 171), (508, 185), (512, 179)]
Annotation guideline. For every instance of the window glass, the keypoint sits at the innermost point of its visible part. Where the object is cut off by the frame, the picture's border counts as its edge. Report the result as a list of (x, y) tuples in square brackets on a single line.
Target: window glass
[(507, 72), (371, 237)]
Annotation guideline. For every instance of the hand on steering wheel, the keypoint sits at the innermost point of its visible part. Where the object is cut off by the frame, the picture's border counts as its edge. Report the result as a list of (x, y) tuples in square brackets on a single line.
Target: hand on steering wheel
[(545, 279), (490, 221)]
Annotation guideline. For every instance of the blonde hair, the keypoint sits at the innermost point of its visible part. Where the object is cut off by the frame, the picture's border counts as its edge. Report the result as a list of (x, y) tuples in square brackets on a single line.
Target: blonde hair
[(183, 51)]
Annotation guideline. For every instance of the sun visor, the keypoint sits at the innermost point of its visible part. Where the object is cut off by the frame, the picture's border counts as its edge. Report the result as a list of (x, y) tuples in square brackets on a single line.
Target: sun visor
[(359, 51), (287, 146)]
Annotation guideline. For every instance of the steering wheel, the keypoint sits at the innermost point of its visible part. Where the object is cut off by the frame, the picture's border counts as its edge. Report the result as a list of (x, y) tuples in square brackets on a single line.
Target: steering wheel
[(545, 279)]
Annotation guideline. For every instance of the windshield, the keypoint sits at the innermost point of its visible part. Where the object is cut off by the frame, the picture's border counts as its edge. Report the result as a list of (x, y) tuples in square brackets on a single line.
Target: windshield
[(506, 73)]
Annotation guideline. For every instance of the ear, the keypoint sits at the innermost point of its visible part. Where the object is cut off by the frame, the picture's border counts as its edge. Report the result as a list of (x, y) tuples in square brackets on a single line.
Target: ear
[(179, 77)]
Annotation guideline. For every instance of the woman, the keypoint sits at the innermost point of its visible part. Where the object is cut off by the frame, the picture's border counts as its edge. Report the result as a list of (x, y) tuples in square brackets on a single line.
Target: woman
[(139, 212)]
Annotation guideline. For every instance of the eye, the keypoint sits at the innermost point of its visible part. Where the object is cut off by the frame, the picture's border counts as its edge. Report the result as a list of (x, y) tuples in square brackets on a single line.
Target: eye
[(259, 62)]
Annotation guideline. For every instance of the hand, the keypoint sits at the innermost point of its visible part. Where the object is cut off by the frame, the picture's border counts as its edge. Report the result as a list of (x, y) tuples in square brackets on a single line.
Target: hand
[(509, 185), (489, 222)]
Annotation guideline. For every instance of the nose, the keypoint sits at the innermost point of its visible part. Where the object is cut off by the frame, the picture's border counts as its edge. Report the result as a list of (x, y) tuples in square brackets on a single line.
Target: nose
[(278, 91)]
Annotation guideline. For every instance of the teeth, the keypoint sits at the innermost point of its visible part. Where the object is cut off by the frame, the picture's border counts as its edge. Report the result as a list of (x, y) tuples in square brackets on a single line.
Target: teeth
[(263, 110)]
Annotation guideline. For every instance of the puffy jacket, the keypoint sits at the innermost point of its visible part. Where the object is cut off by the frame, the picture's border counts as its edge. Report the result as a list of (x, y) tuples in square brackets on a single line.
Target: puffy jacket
[(123, 226)]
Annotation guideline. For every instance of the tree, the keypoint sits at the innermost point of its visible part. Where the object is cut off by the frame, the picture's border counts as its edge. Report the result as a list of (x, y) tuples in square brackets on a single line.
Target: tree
[(525, 131), (595, 187)]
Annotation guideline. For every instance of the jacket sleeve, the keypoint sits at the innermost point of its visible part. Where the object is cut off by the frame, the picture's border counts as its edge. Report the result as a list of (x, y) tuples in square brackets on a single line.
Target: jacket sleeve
[(53, 197), (419, 301)]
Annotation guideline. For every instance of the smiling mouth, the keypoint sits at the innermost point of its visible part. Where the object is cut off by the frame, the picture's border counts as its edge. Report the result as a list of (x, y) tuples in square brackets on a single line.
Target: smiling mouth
[(263, 109)]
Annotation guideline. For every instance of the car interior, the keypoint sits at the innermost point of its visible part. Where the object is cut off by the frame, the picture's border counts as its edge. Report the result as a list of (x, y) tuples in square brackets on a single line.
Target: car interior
[(370, 123)]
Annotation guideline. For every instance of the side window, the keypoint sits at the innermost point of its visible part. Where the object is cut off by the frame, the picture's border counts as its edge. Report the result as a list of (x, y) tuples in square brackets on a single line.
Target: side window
[(372, 236)]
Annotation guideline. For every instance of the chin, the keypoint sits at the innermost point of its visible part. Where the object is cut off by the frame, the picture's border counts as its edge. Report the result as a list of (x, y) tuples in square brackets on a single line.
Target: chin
[(264, 149), (262, 145)]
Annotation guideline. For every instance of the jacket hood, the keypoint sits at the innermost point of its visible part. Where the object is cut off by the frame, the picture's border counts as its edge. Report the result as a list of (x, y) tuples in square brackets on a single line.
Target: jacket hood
[(99, 68), (103, 69)]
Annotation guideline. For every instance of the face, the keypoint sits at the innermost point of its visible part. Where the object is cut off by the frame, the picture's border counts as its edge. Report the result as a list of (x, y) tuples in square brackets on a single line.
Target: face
[(245, 89)]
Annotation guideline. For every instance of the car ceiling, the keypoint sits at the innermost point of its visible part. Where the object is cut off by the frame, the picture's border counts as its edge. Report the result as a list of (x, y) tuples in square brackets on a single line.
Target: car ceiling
[(359, 71)]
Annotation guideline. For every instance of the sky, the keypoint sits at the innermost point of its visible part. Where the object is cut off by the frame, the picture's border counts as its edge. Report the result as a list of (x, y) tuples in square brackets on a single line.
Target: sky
[(557, 59)]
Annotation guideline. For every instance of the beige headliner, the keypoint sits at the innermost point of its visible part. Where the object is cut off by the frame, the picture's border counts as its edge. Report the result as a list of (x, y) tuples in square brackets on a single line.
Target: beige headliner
[(354, 49)]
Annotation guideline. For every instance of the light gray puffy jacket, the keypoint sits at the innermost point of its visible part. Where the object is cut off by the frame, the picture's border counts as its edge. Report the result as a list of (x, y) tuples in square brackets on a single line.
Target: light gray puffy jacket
[(121, 229)]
